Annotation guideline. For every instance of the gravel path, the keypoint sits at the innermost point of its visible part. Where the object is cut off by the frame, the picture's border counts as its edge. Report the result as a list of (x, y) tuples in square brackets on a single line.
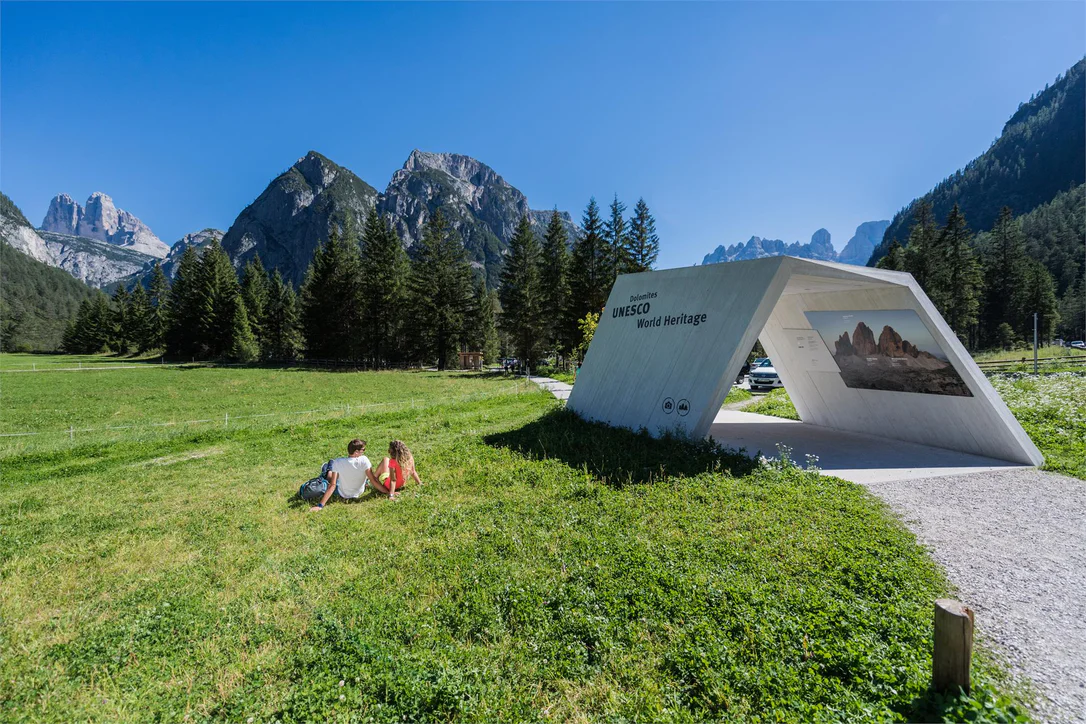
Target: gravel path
[(1014, 543)]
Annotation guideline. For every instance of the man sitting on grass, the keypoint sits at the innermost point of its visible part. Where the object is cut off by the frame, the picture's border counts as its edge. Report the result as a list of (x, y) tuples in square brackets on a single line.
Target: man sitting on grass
[(348, 476)]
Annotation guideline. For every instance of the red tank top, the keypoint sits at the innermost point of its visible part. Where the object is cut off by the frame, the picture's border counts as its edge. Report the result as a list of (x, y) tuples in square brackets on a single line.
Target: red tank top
[(395, 475)]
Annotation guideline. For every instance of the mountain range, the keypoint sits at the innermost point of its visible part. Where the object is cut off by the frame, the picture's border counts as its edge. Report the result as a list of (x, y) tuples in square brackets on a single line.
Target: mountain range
[(1038, 155), (856, 251), (103, 245)]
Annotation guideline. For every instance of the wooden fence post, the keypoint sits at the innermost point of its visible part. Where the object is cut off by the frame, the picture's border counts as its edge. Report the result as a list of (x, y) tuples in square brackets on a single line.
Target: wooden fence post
[(953, 649)]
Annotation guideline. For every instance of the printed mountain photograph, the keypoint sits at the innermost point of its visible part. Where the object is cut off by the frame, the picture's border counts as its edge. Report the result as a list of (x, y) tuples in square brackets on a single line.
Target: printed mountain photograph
[(904, 357)]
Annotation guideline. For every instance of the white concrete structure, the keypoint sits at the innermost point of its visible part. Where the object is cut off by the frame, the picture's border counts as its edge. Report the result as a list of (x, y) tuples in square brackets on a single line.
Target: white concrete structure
[(670, 343)]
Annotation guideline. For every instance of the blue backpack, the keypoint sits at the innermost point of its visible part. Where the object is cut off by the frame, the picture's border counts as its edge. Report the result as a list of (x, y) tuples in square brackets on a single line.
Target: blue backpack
[(315, 488)]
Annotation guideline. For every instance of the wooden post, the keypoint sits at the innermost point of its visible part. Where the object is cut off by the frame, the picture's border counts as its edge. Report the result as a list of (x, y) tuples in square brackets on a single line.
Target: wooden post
[(953, 650)]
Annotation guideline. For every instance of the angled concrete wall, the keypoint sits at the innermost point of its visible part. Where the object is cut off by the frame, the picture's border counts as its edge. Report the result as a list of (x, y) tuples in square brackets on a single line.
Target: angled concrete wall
[(671, 342)]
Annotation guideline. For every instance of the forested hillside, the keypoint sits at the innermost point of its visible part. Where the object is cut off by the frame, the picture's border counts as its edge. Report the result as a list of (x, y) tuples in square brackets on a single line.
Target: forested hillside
[(36, 301), (1039, 154)]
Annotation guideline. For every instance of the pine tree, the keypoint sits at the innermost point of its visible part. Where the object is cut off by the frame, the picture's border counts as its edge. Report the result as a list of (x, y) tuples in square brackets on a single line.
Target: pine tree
[(1004, 277), (158, 320), (120, 326), (921, 254), (554, 282), (440, 291), (385, 268), (91, 328), (894, 259), (330, 300), (1073, 311), (961, 288), (590, 275), (614, 233), (1038, 296), (482, 332), (181, 316), (254, 291), (217, 294), (283, 338), (140, 317), (243, 344), (522, 316), (642, 245)]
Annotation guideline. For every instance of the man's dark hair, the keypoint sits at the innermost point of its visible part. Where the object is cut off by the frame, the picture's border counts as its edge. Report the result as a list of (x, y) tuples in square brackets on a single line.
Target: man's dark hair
[(356, 445)]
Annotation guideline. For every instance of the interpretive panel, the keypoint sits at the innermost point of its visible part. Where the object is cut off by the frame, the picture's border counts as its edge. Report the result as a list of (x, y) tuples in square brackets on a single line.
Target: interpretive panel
[(901, 357)]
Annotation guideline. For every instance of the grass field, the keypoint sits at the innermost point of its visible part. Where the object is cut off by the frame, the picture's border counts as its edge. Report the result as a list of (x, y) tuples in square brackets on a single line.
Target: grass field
[(548, 570)]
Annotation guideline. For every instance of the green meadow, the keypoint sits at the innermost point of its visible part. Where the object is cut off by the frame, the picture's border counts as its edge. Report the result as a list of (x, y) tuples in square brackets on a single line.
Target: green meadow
[(547, 570)]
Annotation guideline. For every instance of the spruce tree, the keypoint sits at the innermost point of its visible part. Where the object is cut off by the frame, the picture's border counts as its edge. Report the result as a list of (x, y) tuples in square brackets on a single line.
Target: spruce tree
[(1004, 278), (182, 319), (120, 326), (554, 283), (385, 268), (282, 335), (440, 291), (331, 308), (614, 233), (243, 344), (90, 330), (217, 294), (158, 320), (140, 318), (961, 278), (254, 291), (1073, 311), (921, 253), (523, 314), (894, 259), (590, 275), (642, 245), (1038, 295), (481, 333)]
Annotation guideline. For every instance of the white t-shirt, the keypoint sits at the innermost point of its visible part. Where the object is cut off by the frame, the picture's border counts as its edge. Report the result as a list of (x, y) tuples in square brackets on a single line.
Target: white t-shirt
[(352, 475)]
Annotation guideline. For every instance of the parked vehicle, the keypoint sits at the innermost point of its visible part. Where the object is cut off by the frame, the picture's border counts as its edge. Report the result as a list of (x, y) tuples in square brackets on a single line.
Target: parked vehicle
[(1078, 344), (764, 377)]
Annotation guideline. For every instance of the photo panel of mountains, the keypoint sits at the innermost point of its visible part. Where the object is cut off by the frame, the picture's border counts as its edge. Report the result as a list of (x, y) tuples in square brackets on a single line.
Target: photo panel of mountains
[(903, 358)]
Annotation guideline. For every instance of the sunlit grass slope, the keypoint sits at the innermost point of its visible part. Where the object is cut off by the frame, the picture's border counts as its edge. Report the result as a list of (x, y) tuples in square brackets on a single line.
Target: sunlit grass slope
[(549, 570)]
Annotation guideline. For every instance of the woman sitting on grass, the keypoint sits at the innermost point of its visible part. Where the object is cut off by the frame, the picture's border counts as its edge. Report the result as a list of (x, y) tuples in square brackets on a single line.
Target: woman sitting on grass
[(393, 471)]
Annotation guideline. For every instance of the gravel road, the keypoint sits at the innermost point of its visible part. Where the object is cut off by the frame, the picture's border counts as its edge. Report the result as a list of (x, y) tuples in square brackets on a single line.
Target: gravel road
[(1014, 543)]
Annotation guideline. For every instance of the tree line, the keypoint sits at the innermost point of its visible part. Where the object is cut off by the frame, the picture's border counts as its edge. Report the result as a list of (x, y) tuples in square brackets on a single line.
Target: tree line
[(986, 286), (365, 299)]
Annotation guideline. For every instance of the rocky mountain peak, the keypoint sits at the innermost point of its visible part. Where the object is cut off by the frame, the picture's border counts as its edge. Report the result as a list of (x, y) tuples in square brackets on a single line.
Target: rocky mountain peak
[(318, 171), (100, 219), (63, 215), (863, 340), (859, 248)]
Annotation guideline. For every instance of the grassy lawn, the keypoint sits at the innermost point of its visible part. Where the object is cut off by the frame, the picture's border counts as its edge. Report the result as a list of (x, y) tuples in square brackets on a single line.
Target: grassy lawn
[(776, 403), (55, 401), (548, 570), (737, 394), (1026, 354)]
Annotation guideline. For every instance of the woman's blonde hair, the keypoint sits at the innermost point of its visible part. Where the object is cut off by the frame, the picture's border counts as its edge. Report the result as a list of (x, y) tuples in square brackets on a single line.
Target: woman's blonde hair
[(402, 455)]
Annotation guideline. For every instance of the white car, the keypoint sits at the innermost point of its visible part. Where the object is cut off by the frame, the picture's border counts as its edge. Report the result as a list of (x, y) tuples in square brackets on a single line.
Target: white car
[(764, 377), (1078, 344)]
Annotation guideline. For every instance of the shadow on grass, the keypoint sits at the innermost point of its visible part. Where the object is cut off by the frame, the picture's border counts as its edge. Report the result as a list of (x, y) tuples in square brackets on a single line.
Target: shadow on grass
[(983, 704), (617, 456), (295, 503)]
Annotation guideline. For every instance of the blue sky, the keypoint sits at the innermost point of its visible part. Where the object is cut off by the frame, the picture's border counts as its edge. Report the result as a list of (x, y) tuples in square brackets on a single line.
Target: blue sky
[(731, 119)]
